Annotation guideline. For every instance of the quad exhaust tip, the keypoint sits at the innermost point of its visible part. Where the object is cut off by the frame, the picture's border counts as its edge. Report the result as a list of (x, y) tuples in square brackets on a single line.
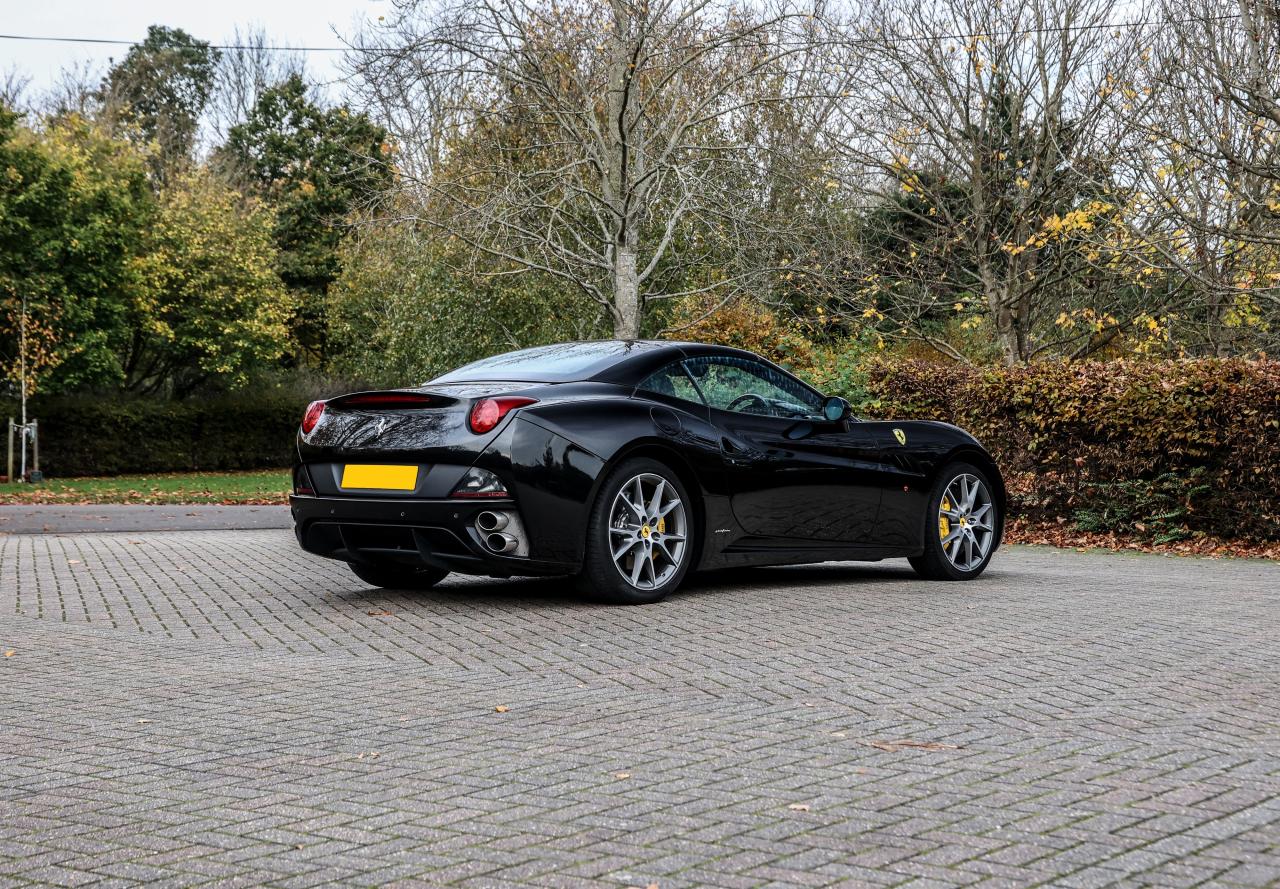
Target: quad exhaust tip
[(492, 521), (501, 543)]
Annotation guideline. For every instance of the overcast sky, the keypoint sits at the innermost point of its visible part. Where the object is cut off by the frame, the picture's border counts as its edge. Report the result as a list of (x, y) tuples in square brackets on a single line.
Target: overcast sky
[(293, 22)]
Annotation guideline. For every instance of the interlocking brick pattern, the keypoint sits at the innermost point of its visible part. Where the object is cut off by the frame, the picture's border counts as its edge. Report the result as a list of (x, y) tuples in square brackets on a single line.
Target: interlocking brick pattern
[(220, 708)]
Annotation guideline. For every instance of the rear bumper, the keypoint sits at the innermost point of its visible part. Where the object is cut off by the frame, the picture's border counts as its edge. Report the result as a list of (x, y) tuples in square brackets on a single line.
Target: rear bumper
[(438, 533)]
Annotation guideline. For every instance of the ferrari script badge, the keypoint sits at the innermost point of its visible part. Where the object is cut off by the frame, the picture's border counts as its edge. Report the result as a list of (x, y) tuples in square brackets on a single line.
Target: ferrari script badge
[(900, 436)]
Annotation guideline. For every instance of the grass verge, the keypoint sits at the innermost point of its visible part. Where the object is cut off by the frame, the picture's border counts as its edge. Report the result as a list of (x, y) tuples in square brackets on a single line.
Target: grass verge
[(268, 486)]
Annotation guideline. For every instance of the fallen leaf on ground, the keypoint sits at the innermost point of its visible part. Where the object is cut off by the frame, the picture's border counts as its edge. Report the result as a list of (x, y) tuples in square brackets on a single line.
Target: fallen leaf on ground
[(380, 613), (10, 653), (143, 721), (73, 561), (895, 746), (502, 708), (621, 775), (799, 807)]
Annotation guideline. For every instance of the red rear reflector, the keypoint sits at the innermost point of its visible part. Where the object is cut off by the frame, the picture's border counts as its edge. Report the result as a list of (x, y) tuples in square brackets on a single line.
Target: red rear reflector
[(387, 399), (312, 416), (488, 412)]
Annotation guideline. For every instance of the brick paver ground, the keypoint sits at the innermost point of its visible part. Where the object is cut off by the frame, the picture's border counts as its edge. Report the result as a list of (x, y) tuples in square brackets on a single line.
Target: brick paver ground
[(218, 707)]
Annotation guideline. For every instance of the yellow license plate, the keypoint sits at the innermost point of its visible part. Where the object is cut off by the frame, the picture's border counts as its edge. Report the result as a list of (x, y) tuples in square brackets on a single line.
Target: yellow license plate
[(379, 477)]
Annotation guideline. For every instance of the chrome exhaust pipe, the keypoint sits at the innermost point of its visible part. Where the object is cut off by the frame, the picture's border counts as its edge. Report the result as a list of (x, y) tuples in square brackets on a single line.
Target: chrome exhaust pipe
[(492, 521), (501, 543)]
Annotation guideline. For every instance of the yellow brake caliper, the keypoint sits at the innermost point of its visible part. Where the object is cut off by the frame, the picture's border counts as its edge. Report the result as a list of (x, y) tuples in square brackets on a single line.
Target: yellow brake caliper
[(944, 524)]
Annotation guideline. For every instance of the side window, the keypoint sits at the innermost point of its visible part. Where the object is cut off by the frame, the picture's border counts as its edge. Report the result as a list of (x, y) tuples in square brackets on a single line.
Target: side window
[(674, 381), (750, 387)]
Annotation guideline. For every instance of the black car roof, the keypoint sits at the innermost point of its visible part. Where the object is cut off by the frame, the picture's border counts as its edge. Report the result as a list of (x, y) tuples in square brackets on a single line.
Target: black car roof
[(568, 362)]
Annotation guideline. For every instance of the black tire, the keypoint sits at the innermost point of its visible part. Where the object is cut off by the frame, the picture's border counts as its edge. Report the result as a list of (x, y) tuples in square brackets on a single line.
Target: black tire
[(933, 563), (397, 577), (601, 577)]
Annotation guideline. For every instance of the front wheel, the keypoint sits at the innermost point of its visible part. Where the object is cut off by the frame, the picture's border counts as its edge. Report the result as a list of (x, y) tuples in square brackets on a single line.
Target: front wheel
[(962, 525), (640, 535), (397, 577)]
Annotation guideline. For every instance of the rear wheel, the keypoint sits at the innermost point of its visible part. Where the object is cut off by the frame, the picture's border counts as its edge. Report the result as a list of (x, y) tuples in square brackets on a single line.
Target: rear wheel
[(397, 577), (640, 535), (961, 525)]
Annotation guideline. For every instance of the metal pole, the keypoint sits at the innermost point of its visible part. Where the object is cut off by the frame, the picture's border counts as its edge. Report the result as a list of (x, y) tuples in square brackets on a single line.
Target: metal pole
[(22, 363), (9, 436), (35, 449)]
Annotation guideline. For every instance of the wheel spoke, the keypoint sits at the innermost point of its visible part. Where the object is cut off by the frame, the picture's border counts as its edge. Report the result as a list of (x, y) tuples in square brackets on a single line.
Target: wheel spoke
[(656, 502), (621, 552), (638, 558), (635, 510)]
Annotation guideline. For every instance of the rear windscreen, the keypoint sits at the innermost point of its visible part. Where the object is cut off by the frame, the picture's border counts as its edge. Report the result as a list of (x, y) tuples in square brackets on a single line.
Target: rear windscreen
[(559, 363)]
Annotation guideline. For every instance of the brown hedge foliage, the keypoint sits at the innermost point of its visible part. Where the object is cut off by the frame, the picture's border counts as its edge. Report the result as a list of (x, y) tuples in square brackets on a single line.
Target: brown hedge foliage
[(1163, 448)]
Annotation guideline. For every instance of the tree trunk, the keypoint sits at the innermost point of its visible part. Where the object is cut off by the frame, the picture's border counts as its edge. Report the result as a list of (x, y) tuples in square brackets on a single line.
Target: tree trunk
[(626, 295), (1002, 314)]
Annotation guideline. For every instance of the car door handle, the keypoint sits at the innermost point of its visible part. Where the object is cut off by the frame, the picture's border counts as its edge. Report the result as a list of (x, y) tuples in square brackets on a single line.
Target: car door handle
[(733, 455)]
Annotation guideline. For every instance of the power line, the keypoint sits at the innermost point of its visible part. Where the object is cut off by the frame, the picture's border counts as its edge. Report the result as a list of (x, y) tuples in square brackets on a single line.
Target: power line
[(901, 38), (230, 46)]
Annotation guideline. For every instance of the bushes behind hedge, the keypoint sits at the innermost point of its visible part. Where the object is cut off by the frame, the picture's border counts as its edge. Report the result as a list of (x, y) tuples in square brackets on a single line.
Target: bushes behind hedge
[(83, 435), (1161, 448)]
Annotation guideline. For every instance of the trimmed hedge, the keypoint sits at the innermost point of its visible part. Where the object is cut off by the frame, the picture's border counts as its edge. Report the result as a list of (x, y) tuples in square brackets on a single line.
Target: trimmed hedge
[(82, 435), (1164, 449)]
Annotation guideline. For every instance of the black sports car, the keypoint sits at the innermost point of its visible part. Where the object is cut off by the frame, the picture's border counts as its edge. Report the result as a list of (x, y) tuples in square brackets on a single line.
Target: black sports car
[(627, 464)]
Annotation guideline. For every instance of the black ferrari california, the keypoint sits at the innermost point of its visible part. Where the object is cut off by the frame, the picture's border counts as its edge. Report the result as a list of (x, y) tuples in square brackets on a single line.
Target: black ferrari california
[(627, 465)]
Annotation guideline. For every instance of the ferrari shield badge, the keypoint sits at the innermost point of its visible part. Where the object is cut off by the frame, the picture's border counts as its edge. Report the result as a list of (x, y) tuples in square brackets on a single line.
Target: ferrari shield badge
[(900, 436)]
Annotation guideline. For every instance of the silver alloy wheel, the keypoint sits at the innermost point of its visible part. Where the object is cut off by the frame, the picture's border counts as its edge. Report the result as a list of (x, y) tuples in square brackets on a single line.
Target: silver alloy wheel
[(647, 531), (966, 522)]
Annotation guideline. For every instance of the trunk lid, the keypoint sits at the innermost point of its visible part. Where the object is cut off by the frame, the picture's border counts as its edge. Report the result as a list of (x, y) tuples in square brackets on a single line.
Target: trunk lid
[(385, 425)]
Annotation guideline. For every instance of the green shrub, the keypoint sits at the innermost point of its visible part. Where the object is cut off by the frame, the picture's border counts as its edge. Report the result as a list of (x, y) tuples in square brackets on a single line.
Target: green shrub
[(85, 435), (1158, 508)]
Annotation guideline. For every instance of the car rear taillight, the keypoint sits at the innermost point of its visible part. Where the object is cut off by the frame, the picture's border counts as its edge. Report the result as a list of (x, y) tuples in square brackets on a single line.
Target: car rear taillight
[(312, 416), (488, 412)]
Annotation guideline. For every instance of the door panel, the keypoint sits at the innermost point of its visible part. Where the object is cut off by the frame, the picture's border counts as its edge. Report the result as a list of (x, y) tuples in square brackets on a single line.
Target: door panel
[(800, 480)]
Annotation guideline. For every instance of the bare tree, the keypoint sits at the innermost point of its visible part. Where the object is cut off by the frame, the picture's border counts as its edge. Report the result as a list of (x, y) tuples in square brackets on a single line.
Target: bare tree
[(1205, 154), (249, 65), (13, 89), (75, 90), (982, 143), (588, 141)]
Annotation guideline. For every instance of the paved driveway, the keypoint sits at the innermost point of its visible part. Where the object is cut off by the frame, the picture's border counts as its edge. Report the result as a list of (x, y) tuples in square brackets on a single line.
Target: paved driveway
[(216, 706)]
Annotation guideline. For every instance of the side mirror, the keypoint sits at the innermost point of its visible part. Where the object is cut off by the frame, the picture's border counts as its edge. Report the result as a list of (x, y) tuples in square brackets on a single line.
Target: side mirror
[(836, 409)]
